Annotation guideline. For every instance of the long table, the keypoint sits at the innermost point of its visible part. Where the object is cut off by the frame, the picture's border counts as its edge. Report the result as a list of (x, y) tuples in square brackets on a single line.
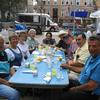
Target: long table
[(59, 76)]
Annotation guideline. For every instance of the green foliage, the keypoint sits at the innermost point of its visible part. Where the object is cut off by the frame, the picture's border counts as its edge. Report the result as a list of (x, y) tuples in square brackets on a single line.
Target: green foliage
[(94, 1), (9, 8)]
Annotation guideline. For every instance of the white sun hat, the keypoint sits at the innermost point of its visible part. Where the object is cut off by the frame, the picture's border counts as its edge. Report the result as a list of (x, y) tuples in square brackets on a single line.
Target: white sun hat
[(62, 32)]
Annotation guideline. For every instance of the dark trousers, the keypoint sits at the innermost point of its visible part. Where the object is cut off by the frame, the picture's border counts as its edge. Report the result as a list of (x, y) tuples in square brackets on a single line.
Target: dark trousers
[(71, 96), (77, 96)]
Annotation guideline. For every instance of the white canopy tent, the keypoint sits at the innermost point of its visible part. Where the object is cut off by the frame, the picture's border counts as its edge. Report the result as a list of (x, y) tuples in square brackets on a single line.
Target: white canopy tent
[(95, 14)]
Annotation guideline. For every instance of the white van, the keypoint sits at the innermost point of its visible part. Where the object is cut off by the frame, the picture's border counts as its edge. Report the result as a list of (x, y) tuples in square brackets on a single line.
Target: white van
[(39, 21)]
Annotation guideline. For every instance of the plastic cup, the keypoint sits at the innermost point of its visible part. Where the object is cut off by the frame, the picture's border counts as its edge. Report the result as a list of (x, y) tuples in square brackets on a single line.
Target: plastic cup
[(54, 72)]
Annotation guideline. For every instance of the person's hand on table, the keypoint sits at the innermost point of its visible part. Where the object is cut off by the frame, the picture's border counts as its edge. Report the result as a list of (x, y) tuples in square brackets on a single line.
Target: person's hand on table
[(3, 81), (74, 89), (66, 65), (70, 62)]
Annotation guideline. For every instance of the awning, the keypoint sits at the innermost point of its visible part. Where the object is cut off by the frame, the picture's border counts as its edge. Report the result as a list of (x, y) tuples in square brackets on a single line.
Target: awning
[(95, 14), (82, 14)]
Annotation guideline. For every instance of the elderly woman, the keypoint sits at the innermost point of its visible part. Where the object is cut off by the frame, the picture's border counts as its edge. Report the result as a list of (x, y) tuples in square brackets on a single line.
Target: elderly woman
[(14, 53), (5, 90), (31, 41)]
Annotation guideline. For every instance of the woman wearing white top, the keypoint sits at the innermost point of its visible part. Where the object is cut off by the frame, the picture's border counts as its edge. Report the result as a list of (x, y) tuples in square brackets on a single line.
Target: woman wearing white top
[(14, 53), (23, 45)]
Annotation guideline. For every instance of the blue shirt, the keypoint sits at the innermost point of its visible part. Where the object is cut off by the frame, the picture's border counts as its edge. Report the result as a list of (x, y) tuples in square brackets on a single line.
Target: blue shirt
[(91, 71)]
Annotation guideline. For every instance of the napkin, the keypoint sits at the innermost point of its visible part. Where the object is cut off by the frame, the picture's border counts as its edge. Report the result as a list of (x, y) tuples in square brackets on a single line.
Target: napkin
[(34, 72), (47, 77)]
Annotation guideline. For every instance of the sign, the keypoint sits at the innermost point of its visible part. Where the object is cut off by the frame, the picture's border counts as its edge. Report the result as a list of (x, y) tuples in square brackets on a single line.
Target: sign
[(82, 14)]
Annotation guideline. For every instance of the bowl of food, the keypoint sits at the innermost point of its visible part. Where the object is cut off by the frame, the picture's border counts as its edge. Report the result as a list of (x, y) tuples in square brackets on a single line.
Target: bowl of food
[(39, 59)]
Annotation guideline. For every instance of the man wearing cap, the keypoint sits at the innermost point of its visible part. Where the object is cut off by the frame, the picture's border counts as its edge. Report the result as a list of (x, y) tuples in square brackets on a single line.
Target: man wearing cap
[(61, 43)]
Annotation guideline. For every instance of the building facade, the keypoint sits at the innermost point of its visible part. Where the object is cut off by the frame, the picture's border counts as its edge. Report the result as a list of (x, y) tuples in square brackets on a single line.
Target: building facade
[(62, 9), (98, 4), (29, 6)]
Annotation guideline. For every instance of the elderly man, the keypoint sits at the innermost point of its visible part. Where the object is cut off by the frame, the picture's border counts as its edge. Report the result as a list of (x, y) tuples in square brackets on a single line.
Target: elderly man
[(5, 89), (81, 54)]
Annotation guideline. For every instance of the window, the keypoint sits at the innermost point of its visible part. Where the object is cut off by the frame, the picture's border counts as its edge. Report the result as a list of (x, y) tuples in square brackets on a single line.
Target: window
[(23, 18), (55, 12), (62, 2), (85, 3), (71, 3), (36, 19), (67, 2), (77, 3), (48, 2)]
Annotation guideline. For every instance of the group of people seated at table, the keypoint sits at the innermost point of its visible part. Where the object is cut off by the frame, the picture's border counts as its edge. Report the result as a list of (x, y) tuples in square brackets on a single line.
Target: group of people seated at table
[(82, 60), (88, 84), (84, 69)]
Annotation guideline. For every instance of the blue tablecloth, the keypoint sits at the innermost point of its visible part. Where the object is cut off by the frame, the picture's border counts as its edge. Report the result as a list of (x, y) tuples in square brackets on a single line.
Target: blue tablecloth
[(22, 79)]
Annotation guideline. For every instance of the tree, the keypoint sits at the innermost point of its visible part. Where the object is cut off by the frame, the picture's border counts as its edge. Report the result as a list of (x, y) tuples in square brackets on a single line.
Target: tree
[(9, 8), (3, 8), (94, 3)]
